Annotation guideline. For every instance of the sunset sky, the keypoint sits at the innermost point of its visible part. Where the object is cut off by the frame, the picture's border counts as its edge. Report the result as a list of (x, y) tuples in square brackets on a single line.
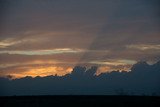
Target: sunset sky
[(48, 37)]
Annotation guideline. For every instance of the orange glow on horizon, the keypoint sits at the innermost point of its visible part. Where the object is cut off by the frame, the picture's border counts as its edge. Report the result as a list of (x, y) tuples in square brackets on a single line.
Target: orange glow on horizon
[(44, 71), (47, 68)]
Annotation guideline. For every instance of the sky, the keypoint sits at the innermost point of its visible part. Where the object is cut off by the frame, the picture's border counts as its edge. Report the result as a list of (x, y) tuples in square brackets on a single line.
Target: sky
[(51, 37)]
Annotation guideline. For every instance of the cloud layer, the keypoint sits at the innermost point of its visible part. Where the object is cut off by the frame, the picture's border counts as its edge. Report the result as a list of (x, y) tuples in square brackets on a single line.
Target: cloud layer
[(111, 34), (143, 79)]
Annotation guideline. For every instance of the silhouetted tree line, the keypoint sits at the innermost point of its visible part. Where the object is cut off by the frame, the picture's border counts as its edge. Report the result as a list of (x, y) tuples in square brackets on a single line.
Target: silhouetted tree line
[(144, 79)]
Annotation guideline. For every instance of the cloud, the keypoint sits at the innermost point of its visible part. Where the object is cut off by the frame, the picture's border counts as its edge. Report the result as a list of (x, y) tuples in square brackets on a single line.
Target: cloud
[(42, 52), (115, 62), (8, 42), (79, 33), (142, 79), (144, 47), (113, 65)]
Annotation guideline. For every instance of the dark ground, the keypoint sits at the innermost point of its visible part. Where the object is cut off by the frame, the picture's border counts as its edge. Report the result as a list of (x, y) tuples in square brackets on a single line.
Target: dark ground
[(56, 101)]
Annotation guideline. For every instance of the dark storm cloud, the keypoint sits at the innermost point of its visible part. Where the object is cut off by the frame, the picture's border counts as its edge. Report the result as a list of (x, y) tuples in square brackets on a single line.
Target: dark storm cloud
[(143, 79)]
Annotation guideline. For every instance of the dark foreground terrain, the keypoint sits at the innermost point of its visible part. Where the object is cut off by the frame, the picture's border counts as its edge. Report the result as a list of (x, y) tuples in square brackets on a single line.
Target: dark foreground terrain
[(56, 101)]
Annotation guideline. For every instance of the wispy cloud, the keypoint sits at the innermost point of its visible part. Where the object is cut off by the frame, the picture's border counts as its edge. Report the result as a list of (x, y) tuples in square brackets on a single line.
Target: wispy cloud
[(144, 47), (13, 41), (51, 51), (114, 62), (7, 42), (42, 52)]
